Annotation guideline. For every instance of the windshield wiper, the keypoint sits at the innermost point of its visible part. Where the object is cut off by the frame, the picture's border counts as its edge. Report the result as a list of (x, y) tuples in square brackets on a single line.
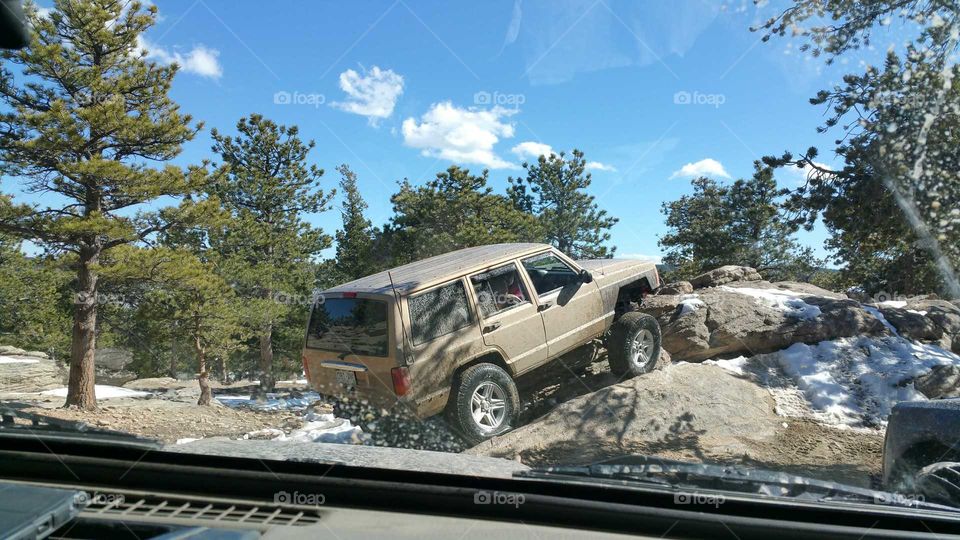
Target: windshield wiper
[(18, 423), (681, 476)]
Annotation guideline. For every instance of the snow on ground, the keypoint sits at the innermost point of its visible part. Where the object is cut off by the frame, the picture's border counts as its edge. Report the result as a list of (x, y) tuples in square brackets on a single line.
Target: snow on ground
[(690, 303), (103, 392), (850, 382), (783, 300), (316, 427), (734, 365), (893, 304), (8, 360), (274, 402)]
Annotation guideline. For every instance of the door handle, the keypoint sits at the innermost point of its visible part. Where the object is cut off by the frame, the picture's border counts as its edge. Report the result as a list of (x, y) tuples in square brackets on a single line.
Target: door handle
[(545, 306), (491, 327)]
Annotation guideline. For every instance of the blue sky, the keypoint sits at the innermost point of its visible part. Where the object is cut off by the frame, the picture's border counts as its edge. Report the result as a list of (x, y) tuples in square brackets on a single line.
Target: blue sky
[(652, 92)]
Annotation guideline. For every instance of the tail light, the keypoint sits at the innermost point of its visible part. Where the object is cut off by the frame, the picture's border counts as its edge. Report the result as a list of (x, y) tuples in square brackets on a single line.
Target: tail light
[(401, 380), (306, 368)]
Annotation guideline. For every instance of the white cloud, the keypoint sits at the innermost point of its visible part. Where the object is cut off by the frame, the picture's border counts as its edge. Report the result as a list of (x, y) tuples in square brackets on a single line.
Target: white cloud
[(373, 94), (460, 135), (531, 149), (704, 167), (200, 60), (801, 175), (597, 166)]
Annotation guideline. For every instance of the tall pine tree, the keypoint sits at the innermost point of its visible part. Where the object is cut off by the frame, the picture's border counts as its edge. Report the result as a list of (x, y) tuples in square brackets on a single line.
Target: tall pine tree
[(355, 239), (268, 187), (86, 118), (555, 190)]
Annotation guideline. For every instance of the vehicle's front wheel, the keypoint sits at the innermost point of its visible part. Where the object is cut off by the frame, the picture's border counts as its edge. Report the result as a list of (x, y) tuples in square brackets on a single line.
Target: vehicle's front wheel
[(633, 347), (485, 403)]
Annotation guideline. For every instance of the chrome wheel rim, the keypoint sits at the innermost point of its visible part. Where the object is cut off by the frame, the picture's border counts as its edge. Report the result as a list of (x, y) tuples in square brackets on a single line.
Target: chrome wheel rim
[(641, 348), (488, 406)]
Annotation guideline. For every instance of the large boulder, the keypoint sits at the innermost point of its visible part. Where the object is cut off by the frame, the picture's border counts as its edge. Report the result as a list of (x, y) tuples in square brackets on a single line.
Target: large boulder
[(945, 315), (941, 382), (912, 324), (677, 287), (724, 275), (754, 318), (681, 408), (25, 374)]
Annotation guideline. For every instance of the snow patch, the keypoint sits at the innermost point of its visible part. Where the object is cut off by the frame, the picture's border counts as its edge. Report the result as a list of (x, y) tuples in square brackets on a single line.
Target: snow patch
[(9, 360), (690, 303), (849, 382), (893, 303), (273, 402), (103, 391), (733, 365), (324, 428), (785, 300)]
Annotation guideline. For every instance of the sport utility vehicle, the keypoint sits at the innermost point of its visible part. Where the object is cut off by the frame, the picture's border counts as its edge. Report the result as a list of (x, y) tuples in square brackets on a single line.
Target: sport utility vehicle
[(453, 332)]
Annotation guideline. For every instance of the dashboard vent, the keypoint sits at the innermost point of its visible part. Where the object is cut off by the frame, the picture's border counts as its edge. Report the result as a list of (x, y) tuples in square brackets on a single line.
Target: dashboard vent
[(145, 508)]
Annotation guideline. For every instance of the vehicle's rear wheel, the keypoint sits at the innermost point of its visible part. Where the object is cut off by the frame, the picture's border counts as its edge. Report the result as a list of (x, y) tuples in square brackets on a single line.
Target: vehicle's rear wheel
[(485, 403), (633, 347)]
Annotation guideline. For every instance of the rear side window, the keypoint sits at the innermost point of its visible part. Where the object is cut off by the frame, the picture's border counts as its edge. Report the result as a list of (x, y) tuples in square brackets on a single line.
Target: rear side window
[(438, 312), (350, 325)]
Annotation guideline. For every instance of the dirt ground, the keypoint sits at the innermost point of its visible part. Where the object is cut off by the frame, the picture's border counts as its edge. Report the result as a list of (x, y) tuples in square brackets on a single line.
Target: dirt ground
[(172, 413), (687, 431)]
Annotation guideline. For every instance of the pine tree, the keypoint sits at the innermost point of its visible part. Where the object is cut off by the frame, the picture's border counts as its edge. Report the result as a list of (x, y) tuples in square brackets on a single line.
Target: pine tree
[(84, 116), (555, 191), (192, 300), (268, 187), (739, 224), (892, 208), (455, 210), (355, 240)]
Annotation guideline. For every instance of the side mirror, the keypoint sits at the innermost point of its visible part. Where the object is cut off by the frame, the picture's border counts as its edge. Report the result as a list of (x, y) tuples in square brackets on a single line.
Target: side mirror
[(586, 276)]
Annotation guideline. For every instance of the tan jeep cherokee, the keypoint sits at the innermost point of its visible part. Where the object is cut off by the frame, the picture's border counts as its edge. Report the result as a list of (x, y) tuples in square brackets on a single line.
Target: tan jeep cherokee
[(453, 332)]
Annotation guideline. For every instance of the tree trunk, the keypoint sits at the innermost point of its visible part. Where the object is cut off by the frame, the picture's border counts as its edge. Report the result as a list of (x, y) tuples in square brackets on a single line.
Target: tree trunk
[(224, 376), (204, 378), (80, 388), (266, 360)]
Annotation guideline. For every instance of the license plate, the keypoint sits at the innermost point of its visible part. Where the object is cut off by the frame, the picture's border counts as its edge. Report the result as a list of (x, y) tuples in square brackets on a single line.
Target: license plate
[(346, 378)]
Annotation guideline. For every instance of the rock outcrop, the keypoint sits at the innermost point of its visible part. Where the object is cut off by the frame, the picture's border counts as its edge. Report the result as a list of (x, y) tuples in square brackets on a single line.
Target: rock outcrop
[(754, 317), (24, 373), (724, 275), (941, 382)]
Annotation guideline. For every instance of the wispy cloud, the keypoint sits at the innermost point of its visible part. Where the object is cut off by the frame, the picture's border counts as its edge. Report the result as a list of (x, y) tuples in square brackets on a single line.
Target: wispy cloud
[(532, 149), (461, 135), (200, 60), (704, 167), (597, 166), (372, 94)]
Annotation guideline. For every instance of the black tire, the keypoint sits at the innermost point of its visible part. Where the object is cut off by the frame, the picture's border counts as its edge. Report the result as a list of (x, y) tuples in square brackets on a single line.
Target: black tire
[(620, 345), (460, 412)]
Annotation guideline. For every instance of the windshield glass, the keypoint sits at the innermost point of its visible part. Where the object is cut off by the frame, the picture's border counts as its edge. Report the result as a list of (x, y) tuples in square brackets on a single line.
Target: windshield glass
[(350, 325), (519, 233)]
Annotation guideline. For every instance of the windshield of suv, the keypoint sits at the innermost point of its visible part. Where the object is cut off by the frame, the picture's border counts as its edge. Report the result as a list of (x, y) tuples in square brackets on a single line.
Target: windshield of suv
[(579, 234)]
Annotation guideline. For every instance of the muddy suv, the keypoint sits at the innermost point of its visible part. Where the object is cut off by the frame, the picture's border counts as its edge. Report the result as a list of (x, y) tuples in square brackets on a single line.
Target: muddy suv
[(452, 333)]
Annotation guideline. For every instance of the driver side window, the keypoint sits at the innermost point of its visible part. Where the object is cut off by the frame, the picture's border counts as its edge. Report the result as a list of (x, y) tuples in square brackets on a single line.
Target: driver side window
[(549, 273), (499, 289)]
